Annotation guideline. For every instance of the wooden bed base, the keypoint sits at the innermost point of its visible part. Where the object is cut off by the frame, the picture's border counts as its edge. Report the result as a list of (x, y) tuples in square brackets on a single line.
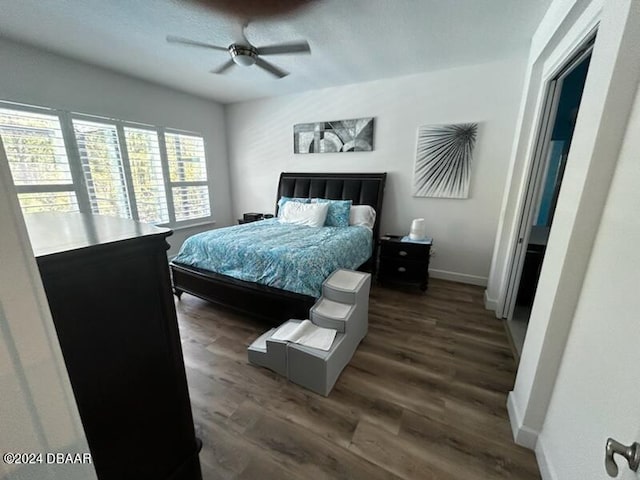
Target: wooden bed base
[(267, 303), (272, 304)]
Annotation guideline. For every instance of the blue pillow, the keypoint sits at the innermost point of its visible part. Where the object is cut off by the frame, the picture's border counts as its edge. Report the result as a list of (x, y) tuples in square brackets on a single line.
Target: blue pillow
[(284, 200), (338, 215)]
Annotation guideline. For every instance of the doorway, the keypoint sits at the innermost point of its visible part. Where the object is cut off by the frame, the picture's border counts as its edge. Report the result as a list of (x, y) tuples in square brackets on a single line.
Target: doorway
[(560, 111)]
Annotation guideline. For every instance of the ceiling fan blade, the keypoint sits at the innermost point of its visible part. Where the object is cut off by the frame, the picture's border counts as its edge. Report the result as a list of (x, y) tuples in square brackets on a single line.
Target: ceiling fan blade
[(282, 48), (193, 43), (224, 67), (243, 32), (271, 68)]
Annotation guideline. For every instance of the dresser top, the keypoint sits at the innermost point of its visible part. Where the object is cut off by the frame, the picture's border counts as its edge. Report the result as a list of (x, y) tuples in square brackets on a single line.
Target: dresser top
[(53, 233)]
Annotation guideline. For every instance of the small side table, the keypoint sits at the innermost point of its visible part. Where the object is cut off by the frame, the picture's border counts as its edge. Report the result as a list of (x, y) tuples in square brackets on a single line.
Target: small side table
[(253, 217), (404, 262)]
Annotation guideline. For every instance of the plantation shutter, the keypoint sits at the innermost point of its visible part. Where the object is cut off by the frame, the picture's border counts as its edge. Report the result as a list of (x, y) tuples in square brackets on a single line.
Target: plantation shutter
[(102, 166), (188, 176), (145, 164), (38, 161)]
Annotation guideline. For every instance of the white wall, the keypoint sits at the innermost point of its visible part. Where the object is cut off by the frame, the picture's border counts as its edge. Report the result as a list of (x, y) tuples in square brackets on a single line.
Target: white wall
[(596, 393), (260, 143), (37, 77), (37, 409)]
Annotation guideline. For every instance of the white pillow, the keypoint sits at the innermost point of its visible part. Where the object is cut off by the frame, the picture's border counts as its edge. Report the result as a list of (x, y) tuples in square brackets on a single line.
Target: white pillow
[(362, 215), (310, 214)]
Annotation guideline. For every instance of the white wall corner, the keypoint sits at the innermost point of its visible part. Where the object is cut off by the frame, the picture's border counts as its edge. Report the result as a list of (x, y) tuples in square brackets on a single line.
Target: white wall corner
[(522, 435), (490, 303), (458, 277), (546, 470)]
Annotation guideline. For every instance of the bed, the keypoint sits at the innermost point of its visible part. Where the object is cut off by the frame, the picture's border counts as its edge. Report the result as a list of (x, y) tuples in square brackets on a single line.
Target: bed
[(278, 303)]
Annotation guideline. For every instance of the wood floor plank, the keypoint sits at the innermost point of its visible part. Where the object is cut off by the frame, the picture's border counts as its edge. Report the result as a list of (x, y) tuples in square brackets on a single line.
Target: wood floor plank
[(258, 469), (311, 412), (457, 450), (424, 396), (310, 455), (228, 454), (395, 455), (380, 411)]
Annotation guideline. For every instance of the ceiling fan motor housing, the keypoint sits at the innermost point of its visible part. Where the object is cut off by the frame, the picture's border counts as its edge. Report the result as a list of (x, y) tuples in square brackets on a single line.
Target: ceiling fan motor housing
[(243, 55)]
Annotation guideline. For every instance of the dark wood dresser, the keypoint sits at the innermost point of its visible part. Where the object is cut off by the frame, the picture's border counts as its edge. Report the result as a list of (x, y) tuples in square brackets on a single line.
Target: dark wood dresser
[(404, 262), (108, 287)]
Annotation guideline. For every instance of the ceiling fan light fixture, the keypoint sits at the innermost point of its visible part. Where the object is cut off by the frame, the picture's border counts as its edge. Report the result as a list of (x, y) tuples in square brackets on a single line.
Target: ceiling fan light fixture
[(243, 56), (246, 55)]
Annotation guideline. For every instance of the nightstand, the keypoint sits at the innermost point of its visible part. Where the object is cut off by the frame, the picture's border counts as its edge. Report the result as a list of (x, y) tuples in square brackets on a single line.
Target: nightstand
[(253, 217), (404, 262)]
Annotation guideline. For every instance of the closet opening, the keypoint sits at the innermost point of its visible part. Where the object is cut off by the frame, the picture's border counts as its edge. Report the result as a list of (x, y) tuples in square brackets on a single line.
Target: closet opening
[(561, 107)]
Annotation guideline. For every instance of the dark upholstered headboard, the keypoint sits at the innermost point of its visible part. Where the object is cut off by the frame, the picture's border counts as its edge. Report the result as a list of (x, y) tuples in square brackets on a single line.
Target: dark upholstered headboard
[(360, 188)]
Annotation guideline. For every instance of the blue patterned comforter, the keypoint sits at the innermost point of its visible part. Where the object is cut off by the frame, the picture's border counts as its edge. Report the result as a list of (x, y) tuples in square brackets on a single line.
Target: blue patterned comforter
[(290, 257)]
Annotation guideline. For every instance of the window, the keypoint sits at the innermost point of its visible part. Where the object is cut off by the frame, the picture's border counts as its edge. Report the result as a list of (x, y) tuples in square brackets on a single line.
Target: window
[(38, 161), (101, 161), (145, 163), (188, 176), (67, 162)]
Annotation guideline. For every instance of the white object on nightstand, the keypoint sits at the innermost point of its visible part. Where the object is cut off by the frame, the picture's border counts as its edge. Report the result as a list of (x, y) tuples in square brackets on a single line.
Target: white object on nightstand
[(418, 229)]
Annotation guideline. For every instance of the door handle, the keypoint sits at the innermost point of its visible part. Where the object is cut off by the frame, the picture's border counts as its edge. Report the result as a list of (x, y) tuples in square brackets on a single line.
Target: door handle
[(631, 453)]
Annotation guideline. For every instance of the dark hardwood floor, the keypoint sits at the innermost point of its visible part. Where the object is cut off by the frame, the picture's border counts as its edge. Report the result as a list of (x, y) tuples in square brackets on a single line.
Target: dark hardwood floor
[(423, 398)]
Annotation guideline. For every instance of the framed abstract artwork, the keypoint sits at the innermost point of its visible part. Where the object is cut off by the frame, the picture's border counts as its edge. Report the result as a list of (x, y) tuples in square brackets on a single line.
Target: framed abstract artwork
[(354, 135), (443, 160)]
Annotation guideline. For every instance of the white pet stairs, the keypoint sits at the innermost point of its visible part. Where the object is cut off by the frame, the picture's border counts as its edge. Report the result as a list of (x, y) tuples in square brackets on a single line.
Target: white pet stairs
[(344, 306)]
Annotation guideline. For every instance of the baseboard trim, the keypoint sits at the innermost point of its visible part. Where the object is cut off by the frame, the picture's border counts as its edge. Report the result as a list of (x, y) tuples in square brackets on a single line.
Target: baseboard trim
[(459, 277), (490, 303), (522, 435), (546, 472)]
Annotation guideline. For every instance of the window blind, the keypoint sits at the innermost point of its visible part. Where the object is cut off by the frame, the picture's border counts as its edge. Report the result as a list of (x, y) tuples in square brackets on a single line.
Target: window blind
[(188, 176), (186, 158), (147, 178), (48, 202), (101, 160), (191, 202), (38, 161)]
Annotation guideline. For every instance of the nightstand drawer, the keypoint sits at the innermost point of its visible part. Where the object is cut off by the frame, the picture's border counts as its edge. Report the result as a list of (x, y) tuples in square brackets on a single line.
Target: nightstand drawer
[(405, 250), (403, 271)]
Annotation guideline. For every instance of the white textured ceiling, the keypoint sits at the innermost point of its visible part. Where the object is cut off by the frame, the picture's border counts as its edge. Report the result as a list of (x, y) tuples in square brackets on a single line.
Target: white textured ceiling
[(351, 40)]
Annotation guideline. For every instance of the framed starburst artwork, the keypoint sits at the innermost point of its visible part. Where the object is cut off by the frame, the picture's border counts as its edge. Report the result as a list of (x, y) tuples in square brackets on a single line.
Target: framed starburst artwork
[(443, 160)]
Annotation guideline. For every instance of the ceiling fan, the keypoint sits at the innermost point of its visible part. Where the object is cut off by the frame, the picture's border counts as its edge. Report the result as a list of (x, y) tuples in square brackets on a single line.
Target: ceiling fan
[(245, 54)]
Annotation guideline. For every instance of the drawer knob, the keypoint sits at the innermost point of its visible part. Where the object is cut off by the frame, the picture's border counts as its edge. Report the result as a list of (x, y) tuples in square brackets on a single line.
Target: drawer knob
[(402, 269), (402, 253)]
